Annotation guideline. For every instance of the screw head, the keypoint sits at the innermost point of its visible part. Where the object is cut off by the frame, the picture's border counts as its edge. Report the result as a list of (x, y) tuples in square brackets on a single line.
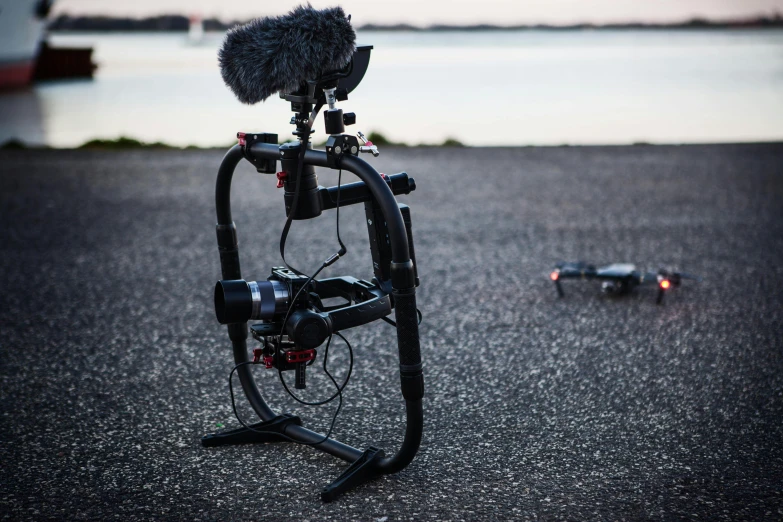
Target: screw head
[(338, 150), (369, 221)]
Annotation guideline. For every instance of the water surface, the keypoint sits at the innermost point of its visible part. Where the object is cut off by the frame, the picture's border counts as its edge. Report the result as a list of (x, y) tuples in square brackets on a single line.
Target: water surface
[(483, 88)]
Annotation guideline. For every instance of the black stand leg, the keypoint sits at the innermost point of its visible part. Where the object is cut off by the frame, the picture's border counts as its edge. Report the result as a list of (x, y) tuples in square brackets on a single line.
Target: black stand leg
[(272, 430), (362, 470)]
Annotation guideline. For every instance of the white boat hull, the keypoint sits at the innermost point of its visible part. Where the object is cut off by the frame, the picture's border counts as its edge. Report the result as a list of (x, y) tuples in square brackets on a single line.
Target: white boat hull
[(21, 32)]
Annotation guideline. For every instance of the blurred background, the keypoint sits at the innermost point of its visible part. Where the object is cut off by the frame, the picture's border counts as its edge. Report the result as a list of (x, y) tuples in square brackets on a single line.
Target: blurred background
[(497, 72)]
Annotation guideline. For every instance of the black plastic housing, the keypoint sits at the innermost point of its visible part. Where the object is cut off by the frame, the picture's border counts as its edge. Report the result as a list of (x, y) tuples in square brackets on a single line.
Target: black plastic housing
[(309, 205), (359, 64), (234, 301), (346, 80), (333, 121)]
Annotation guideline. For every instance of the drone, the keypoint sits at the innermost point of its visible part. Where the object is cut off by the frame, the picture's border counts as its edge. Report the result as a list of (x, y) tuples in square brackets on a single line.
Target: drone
[(619, 278)]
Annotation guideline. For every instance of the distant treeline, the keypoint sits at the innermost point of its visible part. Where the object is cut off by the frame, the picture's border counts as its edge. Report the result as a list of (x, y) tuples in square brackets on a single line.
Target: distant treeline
[(158, 23), (182, 23)]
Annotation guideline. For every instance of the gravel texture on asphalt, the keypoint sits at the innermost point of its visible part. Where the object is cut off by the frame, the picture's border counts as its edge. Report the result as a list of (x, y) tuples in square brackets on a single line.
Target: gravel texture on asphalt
[(587, 407)]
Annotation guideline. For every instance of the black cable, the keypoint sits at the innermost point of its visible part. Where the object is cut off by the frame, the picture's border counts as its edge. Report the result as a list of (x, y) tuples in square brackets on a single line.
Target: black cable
[(334, 257), (338, 394), (284, 235), (236, 414), (326, 356), (343, 250), (304, 141)]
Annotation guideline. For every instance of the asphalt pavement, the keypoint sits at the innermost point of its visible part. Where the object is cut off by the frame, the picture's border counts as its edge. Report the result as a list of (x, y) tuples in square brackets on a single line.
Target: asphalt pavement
[(583, 408)]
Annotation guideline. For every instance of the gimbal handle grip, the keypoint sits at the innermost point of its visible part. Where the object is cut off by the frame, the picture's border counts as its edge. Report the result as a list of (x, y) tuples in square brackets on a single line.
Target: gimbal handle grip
[(371, 178)]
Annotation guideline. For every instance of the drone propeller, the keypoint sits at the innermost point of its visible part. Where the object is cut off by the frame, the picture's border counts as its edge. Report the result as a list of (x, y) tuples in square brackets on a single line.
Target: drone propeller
[(684, 275), (675, 277)]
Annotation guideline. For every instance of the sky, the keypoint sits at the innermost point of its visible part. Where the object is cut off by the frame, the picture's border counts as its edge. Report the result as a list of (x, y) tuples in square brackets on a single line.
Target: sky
[(418, 12)]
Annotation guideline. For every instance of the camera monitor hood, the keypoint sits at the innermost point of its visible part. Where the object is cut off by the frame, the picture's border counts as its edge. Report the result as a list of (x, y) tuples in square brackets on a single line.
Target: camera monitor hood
[(346, 79)]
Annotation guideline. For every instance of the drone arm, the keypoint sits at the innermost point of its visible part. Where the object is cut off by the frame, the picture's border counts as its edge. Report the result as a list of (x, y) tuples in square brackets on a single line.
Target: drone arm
[(572, 271), (580, 274)]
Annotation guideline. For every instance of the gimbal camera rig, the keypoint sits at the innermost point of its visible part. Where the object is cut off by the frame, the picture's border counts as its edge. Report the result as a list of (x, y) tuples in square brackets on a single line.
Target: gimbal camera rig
[(293, 321)]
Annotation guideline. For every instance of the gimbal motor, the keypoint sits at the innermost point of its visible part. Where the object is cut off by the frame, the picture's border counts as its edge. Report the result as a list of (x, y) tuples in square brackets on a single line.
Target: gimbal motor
[(290, 304)]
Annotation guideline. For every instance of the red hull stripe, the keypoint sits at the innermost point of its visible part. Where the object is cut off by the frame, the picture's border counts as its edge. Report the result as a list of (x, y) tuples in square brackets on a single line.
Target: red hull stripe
[(15, 74)]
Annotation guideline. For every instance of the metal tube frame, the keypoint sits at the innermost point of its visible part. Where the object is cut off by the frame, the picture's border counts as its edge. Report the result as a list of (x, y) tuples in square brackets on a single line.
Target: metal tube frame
[(372, 462)]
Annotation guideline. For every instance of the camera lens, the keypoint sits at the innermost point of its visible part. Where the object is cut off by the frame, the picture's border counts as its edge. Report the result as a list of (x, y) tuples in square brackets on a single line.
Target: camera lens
[(238, 301)]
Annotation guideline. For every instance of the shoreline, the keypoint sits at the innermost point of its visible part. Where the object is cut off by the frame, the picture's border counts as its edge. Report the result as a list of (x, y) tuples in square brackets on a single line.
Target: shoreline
[(130, 144), (179, 23)]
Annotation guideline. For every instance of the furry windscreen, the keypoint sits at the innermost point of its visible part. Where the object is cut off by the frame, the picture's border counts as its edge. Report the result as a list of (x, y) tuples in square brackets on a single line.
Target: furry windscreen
[(277, 54)]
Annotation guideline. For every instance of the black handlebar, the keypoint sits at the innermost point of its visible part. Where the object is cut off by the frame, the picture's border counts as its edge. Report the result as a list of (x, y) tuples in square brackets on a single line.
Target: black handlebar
[(373, 182)]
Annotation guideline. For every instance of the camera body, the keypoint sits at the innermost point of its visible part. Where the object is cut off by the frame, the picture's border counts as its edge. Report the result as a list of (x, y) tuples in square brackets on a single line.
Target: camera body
[(239, 301)]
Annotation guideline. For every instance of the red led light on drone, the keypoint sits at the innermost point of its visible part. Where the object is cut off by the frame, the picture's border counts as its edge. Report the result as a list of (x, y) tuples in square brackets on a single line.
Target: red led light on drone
[(665, 284), (554, 276)]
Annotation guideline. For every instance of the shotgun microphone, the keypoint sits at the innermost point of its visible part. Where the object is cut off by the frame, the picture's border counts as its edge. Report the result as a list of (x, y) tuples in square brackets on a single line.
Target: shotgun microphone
[(278, 54)]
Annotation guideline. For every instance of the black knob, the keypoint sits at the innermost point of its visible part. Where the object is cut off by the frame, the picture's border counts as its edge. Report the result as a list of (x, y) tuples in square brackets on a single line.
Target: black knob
[(308, 329), (349, 118), (333, 118), (301, 378)]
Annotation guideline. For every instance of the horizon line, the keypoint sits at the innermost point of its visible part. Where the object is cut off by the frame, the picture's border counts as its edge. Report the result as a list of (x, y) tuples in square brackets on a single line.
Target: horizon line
[(761, 20)]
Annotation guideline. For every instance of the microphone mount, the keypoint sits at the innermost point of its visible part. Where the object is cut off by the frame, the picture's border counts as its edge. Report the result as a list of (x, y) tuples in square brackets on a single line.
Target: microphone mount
[(330, 88)]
